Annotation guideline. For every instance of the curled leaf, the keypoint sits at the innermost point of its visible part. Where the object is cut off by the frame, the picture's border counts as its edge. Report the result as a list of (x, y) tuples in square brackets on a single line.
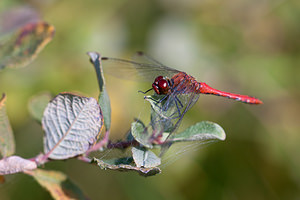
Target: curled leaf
[(72, 125), (151, 171), (7, 142), (103, 100), (15, 164)]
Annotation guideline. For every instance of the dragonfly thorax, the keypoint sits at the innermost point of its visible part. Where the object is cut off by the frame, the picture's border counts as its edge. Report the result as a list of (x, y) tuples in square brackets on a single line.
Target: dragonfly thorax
[(161, 85)]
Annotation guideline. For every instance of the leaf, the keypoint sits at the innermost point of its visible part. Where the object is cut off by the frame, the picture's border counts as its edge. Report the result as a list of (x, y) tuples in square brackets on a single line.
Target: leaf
[(7, 142), (72, 125), (104, 103), (15, 164), (21, 47), (103, 100), (37, 105), (141, 134), (16, 17), (202, 131), (125, 167), (145, 158), (58, 184)]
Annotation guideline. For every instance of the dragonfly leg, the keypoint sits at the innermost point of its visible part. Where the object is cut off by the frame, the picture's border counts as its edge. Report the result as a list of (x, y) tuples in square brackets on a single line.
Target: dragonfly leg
[(158, 101), (145, 91), (179, 101), (178, 109), (155, 100)]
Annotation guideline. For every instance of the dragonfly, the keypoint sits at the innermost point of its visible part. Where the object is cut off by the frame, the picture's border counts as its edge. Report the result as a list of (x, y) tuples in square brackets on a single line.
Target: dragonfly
[(175, 88)]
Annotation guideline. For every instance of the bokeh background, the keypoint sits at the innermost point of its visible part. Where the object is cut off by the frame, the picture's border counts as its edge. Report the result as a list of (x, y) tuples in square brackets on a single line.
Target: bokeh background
[(250, 47)]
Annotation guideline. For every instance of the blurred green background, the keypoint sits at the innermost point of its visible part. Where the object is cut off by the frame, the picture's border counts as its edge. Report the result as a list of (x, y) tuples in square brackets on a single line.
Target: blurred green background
[(250, 47)]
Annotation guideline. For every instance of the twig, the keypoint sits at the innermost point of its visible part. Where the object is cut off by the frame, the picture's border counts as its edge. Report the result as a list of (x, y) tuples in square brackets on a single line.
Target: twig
[(122, 145), (100, 144)]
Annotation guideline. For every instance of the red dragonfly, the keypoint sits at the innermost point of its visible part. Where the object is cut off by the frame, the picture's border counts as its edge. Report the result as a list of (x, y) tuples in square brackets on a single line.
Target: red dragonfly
[(176, 88), (163, 85)]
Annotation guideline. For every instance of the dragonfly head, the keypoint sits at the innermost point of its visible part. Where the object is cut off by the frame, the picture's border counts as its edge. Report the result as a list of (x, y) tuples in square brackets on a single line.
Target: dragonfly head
[(161, 85)]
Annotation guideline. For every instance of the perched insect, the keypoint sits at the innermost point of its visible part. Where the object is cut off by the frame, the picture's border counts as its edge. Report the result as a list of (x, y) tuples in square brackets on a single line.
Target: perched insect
[(176, 88)]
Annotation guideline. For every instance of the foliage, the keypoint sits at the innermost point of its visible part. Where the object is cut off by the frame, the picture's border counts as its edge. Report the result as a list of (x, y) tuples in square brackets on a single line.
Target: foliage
[(72, 124)]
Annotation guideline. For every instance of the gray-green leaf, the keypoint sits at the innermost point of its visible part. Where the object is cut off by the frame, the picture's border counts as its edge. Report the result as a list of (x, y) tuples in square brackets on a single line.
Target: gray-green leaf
[(202, 131), (72, 125), (145, 158), (7, 142), (140, 134)]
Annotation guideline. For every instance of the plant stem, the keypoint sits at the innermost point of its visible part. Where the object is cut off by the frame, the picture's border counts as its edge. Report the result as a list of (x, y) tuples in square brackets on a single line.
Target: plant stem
[(122, 145)]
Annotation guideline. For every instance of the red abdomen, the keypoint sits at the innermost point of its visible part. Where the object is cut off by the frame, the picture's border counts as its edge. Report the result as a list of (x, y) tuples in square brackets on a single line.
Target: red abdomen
[(206, 89), (184, 83)]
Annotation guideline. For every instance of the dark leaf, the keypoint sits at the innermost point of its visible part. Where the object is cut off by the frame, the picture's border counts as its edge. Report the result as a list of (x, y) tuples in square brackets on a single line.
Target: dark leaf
[(21, 47)]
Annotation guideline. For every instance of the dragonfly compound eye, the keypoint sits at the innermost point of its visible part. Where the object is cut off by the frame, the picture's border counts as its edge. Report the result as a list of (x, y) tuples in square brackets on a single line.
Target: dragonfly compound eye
[(163, 86), (158, 79)]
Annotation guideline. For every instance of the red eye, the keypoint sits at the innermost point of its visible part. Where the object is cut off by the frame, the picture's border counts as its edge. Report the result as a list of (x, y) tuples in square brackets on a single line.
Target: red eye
[(163, 84), (158, 79)]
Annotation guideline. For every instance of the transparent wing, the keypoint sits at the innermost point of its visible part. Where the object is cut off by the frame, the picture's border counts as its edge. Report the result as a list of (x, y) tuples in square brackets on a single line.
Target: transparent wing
[(170, 110), (181, 103), (147, 70), (142, 57)]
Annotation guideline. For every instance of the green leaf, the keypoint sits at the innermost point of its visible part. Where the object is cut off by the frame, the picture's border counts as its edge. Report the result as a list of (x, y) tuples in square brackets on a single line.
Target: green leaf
[(103, 100), (202, 131), (38, 104), (104, 103), (126, 167), (141, 134), (21, 47), (15, 164), (72, 125), (58, 184), (7, 142), (145, 158)]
